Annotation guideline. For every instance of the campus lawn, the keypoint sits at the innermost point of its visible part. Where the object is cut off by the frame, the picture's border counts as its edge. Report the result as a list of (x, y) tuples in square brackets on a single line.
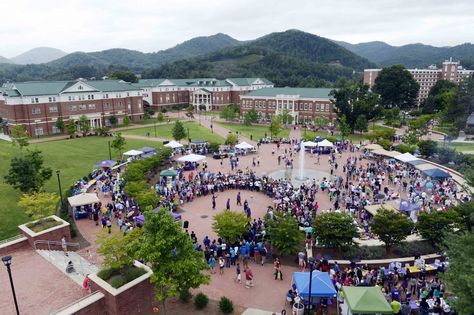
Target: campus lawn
[(460, 147), (257, 131), (74, 158), (196, 132)]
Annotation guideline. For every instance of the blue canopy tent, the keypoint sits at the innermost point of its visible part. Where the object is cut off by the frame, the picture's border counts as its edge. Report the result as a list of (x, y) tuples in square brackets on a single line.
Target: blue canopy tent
[(106, 163), (436, 173), (321, 285)]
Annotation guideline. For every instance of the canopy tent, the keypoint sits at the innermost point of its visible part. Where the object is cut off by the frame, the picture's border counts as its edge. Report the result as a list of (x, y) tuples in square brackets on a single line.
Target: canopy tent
[(83, 199), (173, 144), (198, 142), (244, 146), (310, 144), (106, 163), (408, 206), (175, 215), (373, 209), (417, 162), (364, 300), (436, 173), (325, 143), (191, 158), (384, 152), (133, 153), (321, 284), (169, 172), (406, 157), (373, 146), (147, 150)]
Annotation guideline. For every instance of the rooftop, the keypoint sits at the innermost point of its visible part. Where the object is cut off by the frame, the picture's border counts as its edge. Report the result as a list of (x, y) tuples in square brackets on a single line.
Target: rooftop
[(301, 92), (203, 82)]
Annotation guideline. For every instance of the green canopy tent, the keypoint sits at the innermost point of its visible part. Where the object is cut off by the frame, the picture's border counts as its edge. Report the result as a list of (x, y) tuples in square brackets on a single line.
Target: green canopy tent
[(364, 300), (168, 173)]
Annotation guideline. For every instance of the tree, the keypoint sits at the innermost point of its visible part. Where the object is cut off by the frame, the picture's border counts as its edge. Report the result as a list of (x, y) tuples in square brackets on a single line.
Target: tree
[(190, 111), (433, 226), (392, 116), (391, 227), (344, 127), (27, 172), (442, 96), (231, 139), (119, 249), (321, 122), (354, 100), (19, 136), (361, 124), (459, 275), (419, 125), (275, 126), (285, 234), (286, 117), (118, 143), (176, 265), (113, 120), (396, 87), (250, 117), (71, 127), (230, 225), (39, 205), (335, 230), (147, 200), (457, 112), (160, 117), (178, 131), (84, 124), (126, 121), (427, 147), (228, 113), (126, 76), (213, 147), (465, 211), (60, 124)]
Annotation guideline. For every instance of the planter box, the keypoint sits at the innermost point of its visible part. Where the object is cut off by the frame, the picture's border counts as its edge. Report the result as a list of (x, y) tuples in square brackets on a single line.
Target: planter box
[(135, 297), (54, 233)]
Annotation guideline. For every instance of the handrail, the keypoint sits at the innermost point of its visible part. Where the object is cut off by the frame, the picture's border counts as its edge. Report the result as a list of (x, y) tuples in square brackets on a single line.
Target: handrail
[(55, 243), (78, 301), (14, 238)]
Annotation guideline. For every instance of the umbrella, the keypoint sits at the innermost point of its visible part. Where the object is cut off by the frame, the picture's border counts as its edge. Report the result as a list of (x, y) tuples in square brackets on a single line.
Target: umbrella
[(141, 218), (380, 196), (106, 163), (429, 185), (276, 201)]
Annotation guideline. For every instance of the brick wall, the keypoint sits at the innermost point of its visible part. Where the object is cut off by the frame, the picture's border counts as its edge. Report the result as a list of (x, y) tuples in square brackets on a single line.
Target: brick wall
[(52, 234)]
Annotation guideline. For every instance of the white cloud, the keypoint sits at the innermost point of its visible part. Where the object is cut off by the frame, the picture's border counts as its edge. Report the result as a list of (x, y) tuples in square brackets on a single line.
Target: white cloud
[(151, 25)]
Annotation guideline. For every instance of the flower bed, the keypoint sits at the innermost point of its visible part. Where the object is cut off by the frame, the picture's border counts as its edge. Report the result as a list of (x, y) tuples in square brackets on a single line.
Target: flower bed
[(119, 277), (44, 224)]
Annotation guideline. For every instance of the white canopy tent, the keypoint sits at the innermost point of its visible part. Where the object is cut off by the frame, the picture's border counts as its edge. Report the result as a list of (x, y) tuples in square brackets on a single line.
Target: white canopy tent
[(191, 158), (173, 144), (325, 143), (310, 144), (373, 146), (133, 153), (406, 157), (83, 199), (244, 146), (386, 153)]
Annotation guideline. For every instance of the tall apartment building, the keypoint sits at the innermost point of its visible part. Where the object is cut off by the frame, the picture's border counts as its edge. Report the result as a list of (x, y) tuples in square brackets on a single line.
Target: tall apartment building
[(304, 104), (210, 92), (427, 78), (39, 104)]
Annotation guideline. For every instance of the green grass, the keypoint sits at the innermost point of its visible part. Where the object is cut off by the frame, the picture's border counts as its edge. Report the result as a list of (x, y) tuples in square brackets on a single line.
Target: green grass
[(150, 121), (257, 131), (196, 132), (75, 158), (323, 134), (461, 147)]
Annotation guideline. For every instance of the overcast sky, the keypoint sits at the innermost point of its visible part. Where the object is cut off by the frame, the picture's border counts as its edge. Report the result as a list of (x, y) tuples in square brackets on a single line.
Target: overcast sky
[(152, 25)]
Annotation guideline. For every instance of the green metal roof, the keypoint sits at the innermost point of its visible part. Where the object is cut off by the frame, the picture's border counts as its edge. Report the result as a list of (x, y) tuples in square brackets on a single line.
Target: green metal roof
[(301, 92), (248, 81), (202, 82)]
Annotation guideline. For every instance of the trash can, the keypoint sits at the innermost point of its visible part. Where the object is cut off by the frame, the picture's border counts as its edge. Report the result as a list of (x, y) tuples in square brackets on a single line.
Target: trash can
[(298, 309)]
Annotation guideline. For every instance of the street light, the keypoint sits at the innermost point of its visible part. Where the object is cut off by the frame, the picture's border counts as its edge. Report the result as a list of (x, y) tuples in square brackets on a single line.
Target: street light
[(311, 266), (110, 152), (60, 190), (154, 125), (189, 139), (7, 261)]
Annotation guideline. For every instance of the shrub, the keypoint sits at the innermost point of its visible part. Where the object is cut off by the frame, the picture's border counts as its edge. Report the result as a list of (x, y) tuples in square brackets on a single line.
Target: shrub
[(201, 300), (404, 148), (365, 252), (386, 144), (107, 273), (185, 296), (226, 305), (213, 147), (133, 273), (408, 249), (117, 281)]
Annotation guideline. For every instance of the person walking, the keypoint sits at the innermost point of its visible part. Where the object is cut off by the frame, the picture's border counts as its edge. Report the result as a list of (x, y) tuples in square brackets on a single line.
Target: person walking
[(248, 278), (221, 265), (64, 245), (214, 202), (212, 264), (237, 270), (228, 204), (239, 199)]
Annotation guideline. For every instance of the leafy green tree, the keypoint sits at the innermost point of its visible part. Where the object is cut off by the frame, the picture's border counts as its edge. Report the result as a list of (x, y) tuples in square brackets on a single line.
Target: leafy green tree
[(344, 127), (135, 188), (231, 139), (335, 230), (118, 143), (160, 117), (434, 226), (230, 225), (60, 124), (465, 211), (84, 124), (119, 249), (285, 234), (275, 126), (71, 127), (250, 117), (361, 124), (391, 227), (286, 117), (396, 87), (442, 96), (126, 121), (213, 147), (126, 76), (419, 124), (457, 112), (228, 113), (460, 274), (113, 120), (392, 116), (427, 147), (19, 136), (178, 131), (27, 172), (147, 199), (321, 122), (176, 265), (39, 205), (190, 111)]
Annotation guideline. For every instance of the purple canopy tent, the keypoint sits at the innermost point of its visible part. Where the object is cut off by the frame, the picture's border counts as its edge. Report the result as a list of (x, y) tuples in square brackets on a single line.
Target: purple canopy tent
[(175, 215), (106, 163)]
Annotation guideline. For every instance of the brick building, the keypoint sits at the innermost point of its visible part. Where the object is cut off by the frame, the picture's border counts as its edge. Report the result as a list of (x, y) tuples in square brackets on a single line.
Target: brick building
[(39, 104), (210, 92), (427, 78), (304, 104)]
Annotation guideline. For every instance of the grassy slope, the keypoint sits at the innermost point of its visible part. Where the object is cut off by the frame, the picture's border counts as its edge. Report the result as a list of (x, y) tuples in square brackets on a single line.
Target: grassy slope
[(256, 131), (75, 158)]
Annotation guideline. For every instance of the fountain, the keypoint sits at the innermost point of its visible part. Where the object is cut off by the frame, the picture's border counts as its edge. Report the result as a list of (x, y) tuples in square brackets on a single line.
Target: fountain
[(301, 176)]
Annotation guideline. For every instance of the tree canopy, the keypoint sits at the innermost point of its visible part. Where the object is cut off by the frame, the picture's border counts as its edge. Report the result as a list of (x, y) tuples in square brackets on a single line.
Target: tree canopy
[(39, 205), (178, 131), (275, 126), (391, 227), (19, 136), (119, 249), (250, 117), (230, 225), (285, 235), (335, 230), (231, 139), (434, 226), (119, 143), (441, 96), (126, 76), (27, 172)]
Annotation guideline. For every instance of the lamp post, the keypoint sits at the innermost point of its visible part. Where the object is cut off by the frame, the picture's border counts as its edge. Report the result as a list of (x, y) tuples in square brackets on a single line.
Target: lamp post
[(7, 261), (60, 190), (311, 266), (110, 152), (154, 125), (189, 139)]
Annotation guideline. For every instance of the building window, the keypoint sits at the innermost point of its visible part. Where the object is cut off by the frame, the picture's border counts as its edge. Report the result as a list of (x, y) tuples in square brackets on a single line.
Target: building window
[(106, 105), (82, 107), (73, 108), (56, 129), (53, 109), (39, 131), (36, 110), (91, 106)]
